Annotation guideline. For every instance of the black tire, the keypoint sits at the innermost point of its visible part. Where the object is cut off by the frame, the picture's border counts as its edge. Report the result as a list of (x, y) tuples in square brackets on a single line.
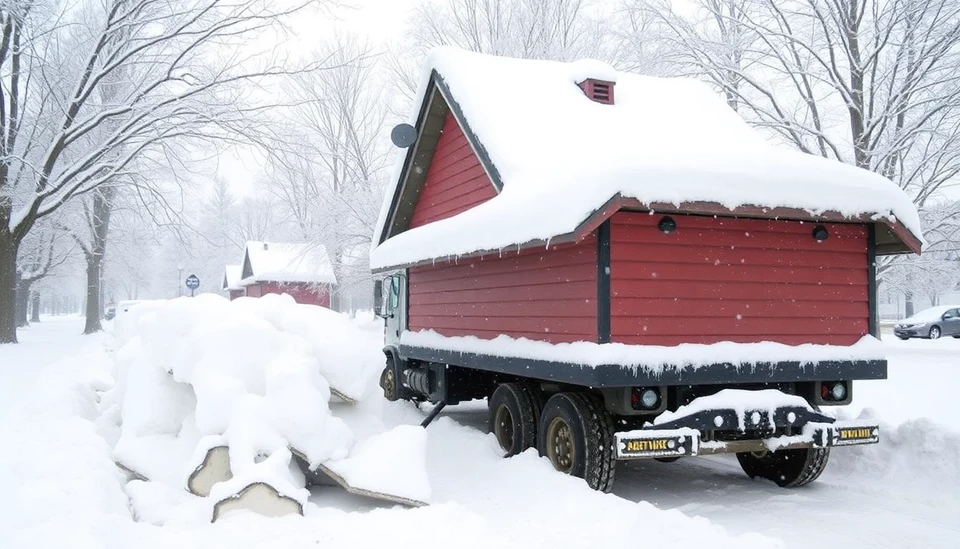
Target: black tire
[(667, 460), (585, 448), (935, 332), (393, 389), (514, 415), (908, 337), (787, 468)]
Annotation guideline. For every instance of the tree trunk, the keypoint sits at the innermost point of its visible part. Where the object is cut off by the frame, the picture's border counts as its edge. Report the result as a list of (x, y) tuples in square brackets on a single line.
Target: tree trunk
[(99, 228), (23, 302), (35, 308), (93, 313), (8, 287)]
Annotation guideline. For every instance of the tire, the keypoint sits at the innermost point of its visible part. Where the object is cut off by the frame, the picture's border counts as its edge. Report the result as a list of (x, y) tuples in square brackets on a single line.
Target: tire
[(576, 435), (787, 468), (393, 389), (514, 415), (935, 332), (904, 338)]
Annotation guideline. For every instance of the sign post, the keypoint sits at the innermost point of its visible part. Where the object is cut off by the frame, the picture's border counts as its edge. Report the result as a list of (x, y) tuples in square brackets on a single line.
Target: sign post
[(193, 283)]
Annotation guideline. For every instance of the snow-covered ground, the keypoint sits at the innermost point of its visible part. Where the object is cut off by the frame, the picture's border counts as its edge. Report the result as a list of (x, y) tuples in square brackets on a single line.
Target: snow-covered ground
[(61, 488)]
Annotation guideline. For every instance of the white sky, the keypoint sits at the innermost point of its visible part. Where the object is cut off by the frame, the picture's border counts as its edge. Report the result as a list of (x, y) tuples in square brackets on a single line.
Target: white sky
[(380, 21)]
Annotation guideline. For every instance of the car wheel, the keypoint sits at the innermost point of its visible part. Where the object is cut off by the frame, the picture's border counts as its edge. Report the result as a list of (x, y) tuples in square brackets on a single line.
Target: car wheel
[(903, 337), (935, 332)]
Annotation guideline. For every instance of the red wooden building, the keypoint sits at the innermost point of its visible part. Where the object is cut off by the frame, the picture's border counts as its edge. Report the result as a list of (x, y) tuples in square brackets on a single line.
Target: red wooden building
[(231, 281), (527, 211), (302, 270), (591, 249)]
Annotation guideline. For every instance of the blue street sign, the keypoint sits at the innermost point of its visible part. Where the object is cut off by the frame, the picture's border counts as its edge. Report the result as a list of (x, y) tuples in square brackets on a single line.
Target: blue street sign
[(193, 282)]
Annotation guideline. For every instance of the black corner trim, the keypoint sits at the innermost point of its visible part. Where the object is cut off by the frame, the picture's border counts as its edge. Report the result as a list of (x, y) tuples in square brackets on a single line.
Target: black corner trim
[(873, 321), (603, 282), (468, 132), (615, 375)]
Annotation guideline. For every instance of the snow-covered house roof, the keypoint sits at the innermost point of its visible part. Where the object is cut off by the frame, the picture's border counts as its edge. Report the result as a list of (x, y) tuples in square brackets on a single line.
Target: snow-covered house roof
[(286, 262), (231, 278), (561, 163)]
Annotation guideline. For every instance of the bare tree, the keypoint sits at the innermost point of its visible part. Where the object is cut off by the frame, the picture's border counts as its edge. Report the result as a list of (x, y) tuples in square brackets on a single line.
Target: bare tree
[(870, 82), (563, 30), (39, 257), (182, 63), (328, 168)]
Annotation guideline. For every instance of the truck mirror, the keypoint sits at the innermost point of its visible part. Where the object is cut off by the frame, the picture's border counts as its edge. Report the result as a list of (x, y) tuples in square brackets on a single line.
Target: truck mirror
[(378, 297)]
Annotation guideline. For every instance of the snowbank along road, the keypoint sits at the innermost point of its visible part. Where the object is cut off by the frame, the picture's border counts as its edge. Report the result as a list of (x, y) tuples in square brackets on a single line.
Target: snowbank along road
[(64, 490)]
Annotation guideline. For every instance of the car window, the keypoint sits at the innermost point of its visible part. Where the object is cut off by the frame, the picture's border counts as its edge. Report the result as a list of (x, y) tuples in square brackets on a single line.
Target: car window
[(952, 313)]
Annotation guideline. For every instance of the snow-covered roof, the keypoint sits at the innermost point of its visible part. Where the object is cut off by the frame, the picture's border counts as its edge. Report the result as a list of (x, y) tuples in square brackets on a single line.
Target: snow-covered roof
[(557, 158), (232, 277), (286, 262)]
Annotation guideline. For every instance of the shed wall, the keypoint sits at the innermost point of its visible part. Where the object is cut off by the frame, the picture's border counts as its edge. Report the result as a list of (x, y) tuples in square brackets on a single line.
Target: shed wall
[(308, 294), (742, 280), (546, 294), (455, 181)]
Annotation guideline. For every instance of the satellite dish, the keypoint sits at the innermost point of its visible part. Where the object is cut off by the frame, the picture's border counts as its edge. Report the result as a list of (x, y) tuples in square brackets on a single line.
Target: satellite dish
[(403, 135)]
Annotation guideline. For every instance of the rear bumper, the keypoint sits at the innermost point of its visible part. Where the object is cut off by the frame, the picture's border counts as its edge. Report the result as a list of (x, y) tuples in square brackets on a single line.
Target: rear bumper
[(688, 436)]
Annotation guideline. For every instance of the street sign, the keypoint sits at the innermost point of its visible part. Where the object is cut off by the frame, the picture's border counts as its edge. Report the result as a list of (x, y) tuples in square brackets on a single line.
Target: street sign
[(193, 283)]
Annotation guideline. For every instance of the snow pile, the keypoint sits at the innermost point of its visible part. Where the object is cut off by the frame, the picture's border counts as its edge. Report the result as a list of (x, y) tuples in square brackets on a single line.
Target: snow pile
[(254, 375), (58, 477), (919, 458), (562, 157), (653, 358)]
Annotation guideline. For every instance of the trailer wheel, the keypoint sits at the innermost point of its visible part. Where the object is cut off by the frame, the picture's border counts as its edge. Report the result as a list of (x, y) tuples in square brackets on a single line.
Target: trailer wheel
[(514, 416), (390, 382), (576, 434), (787, 468)]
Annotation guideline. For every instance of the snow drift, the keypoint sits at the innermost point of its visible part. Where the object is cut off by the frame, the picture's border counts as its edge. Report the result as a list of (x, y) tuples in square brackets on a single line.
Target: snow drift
[(252, 377)]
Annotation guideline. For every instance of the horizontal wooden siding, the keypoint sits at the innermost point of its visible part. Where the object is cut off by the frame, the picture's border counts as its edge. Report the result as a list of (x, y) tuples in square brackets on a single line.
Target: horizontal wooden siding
[(742, 280), (455, 181), (542, 294)]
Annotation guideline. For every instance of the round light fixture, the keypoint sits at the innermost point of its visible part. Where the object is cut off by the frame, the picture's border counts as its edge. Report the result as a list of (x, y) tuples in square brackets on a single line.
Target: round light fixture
[(838, 391), (820, 233), (667, 225), (649, 398)]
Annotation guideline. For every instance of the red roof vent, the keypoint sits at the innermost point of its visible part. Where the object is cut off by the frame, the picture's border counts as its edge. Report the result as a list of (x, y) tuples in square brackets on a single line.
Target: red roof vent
[(600, 91)]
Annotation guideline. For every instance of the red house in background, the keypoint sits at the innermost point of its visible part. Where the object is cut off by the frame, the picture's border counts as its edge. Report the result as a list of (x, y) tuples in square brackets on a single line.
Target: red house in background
[(231, 281), (302, 270)]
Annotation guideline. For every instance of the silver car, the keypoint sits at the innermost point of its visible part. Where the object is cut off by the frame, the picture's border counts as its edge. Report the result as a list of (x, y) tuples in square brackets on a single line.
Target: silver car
[(931, 323)]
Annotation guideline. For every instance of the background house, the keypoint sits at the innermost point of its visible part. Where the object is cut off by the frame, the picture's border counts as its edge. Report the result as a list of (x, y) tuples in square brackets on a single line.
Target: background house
[(302, 270), (231, 281)]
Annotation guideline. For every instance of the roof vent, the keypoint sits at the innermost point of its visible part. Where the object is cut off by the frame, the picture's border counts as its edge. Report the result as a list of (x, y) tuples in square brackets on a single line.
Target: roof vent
[(600, 91)]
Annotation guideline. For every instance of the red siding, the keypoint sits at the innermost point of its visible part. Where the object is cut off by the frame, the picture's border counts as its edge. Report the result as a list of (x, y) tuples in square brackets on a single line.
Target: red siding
[(234, 294), (455, 180), (743, 280), (308, 294), (544, 294)]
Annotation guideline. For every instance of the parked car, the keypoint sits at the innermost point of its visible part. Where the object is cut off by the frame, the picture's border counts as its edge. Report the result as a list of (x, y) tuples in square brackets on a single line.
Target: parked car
[(110, 312), (931, 323)]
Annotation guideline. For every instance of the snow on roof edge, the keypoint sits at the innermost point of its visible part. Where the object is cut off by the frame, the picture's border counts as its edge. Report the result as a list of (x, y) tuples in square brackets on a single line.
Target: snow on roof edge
[(892, 206), (288, 262)]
